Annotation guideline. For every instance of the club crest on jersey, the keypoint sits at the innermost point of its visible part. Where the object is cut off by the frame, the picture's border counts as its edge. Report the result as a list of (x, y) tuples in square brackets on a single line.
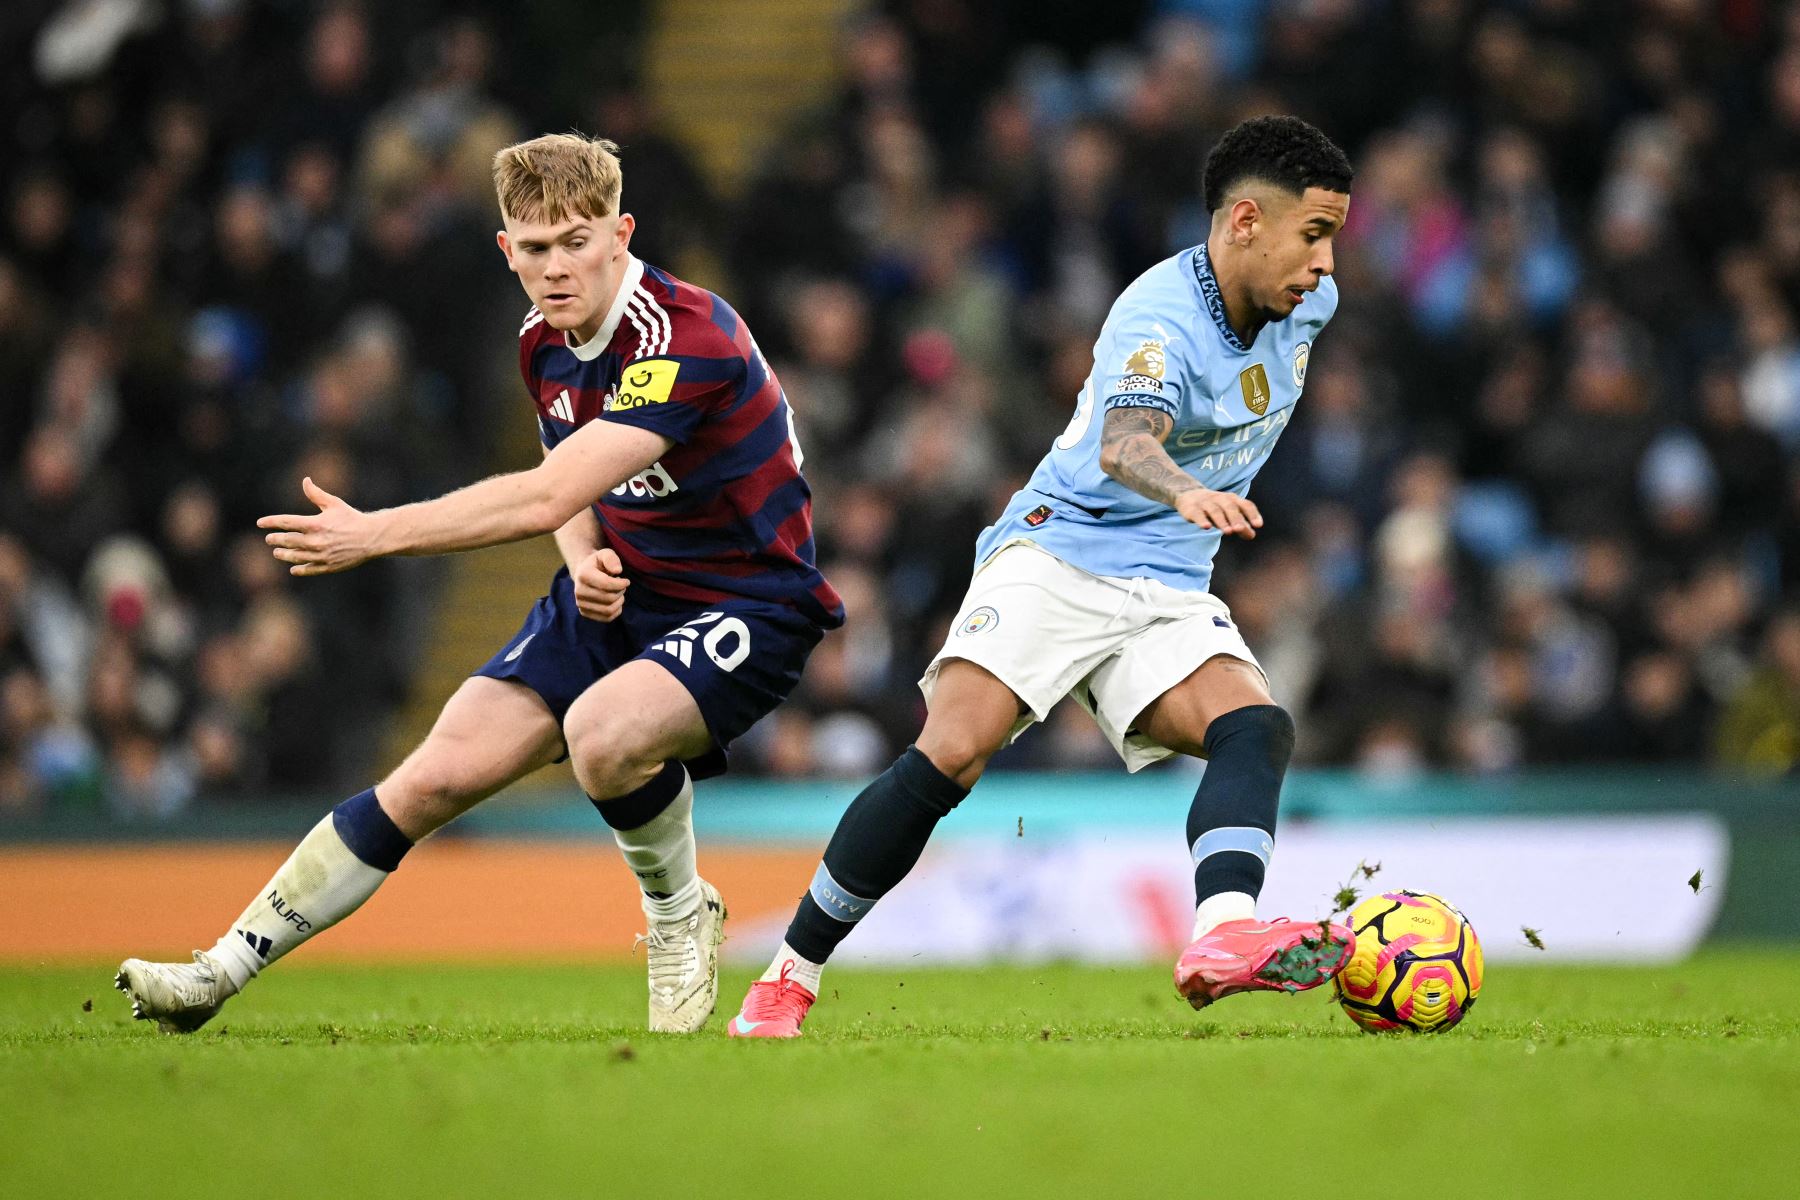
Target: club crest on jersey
[(1255, 384), (980, 621), (645, 383), (1302, 355)]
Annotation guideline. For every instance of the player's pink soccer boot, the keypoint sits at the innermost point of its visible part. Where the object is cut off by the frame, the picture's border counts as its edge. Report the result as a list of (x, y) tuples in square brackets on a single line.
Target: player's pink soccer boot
[(773, 1009), (1262, 956)]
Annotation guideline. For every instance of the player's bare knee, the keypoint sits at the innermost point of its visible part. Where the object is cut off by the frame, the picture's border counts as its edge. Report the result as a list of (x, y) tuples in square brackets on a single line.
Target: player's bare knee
[(609, 778), (960, 752), (609, 759), (592, 757)]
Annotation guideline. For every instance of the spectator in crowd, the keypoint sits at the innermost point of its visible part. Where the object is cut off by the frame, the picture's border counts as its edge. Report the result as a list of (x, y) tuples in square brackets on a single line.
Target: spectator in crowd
[(1760, 727)]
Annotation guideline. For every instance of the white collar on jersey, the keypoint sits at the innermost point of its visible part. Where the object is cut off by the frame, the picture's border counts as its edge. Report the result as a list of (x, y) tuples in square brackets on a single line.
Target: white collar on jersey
[(589, 350)]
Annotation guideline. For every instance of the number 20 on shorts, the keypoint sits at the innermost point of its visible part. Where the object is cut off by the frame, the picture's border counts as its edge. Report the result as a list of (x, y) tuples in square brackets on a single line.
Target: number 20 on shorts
[(679, 643)]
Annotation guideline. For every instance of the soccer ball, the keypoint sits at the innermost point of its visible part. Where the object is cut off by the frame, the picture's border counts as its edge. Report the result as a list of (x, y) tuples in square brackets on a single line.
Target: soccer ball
[(1417, 964)]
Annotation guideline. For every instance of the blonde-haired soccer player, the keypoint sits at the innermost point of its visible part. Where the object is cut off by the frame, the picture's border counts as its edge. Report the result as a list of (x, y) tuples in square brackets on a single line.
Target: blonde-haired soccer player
[(687, 605)]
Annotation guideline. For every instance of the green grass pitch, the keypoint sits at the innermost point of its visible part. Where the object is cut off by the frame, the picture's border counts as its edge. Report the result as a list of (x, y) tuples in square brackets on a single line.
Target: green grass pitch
[(1041, 1082)]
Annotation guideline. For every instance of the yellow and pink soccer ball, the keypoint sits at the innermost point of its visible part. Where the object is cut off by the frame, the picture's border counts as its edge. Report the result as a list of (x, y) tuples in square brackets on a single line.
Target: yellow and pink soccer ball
[(1417, 964)]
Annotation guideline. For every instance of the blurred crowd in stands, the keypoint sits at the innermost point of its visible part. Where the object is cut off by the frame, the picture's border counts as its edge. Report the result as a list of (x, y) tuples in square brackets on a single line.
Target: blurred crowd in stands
[(242, 242), (1540, 504)]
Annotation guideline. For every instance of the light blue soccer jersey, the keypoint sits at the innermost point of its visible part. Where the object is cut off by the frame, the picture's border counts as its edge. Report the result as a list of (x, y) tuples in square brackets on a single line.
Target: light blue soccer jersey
[(1166, 345)]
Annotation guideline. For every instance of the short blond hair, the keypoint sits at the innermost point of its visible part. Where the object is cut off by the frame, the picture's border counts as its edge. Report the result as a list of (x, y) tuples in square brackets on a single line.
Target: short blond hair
[(558, 176)]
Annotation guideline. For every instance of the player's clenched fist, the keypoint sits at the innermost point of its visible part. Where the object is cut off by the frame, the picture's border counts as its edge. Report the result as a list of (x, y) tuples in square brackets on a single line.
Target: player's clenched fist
[(600, 585), (1225, 511), (338, 538)]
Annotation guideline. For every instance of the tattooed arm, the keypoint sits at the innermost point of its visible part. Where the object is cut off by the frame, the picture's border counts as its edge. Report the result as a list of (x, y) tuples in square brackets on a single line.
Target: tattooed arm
[(1131, 451)]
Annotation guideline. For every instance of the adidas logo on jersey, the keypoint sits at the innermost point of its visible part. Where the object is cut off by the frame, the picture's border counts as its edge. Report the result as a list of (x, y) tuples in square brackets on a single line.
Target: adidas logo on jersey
[(653, 481)]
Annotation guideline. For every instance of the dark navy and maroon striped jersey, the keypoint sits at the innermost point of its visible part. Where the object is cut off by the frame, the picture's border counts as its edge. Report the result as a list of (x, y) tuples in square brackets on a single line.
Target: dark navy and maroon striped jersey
[(725, 514)]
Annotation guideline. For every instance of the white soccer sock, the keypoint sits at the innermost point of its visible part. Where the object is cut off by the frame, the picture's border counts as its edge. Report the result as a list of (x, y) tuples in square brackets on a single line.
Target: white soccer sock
[(660, 853), (1216, 910), (320, 884), (802, 971)]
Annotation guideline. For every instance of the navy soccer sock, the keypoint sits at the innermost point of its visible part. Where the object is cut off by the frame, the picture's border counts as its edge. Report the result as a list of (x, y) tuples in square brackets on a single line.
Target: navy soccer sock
[(1231, 825), (370, 833), (877, 841), (645, 804)]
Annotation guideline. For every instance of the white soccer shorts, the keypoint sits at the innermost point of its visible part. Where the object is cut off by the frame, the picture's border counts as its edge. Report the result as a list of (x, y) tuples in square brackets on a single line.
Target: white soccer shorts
[(1045, 629)]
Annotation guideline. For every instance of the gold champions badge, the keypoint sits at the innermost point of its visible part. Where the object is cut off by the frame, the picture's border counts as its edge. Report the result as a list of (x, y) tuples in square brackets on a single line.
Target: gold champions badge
[(1255, 383)]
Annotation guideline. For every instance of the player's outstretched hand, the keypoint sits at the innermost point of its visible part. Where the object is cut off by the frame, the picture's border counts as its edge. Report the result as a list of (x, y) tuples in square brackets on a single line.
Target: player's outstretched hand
[(338, 538), (600, 585), (1224, 511)]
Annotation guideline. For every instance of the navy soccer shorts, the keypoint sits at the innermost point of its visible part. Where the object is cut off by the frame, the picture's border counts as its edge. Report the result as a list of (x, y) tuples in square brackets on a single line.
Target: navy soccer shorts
[(738, 658)]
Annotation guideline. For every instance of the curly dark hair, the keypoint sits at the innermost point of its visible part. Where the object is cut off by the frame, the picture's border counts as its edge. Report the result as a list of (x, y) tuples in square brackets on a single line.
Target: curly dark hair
[(1284, 151)]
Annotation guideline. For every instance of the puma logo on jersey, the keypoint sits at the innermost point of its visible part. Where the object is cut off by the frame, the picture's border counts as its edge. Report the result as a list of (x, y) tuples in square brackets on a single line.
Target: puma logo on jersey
[(653, 481)]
